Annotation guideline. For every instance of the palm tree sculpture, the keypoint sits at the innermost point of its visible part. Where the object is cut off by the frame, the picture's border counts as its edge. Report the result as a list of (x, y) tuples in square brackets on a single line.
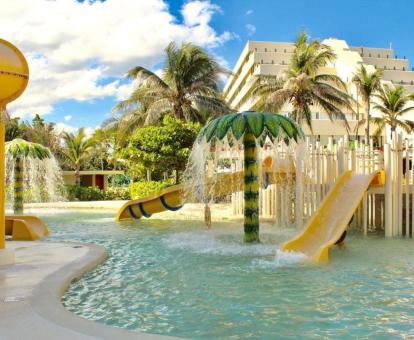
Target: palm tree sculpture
[(367, 84), (187, 89), (19, 149), (77, 149), (393, 105), (303, 85), (250, 126)]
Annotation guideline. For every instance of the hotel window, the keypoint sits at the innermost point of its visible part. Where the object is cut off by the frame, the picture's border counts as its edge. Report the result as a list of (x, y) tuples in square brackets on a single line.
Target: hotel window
[(261, 61), (370, 55), (412, 82), (255, 49), (403, 68), (388, 56), (285, 50), (275, 49), (265, 49), (394, 67), (379, 56), (273, 62)]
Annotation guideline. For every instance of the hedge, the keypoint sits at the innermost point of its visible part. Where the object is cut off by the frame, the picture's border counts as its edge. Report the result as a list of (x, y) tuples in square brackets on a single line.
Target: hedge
[(144, 189)]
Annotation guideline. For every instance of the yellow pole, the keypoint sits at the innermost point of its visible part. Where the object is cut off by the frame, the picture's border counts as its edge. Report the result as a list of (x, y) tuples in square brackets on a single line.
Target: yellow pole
[(2, 181), (14, 76)]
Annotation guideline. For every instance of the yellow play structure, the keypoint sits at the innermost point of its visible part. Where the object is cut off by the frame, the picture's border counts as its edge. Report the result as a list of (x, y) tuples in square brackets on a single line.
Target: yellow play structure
[(14, 76), (330, 221)]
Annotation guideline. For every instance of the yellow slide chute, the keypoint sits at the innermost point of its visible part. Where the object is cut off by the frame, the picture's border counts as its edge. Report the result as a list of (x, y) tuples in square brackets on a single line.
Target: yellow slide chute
[(329, 222)]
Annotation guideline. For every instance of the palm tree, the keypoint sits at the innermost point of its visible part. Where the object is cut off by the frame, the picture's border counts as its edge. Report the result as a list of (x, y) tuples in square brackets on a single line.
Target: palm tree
[(77, 149), (42, 133), (303, 85), (188, 87), (367, 84), (393, 105), (19, 149), (251, 126)]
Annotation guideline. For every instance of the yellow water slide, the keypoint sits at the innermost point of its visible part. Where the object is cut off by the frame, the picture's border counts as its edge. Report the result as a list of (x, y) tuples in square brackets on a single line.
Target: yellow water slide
[(330, 221), (171, 197)]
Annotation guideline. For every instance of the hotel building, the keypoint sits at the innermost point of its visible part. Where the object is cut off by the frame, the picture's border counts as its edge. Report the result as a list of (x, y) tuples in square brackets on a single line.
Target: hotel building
[(272, 58)]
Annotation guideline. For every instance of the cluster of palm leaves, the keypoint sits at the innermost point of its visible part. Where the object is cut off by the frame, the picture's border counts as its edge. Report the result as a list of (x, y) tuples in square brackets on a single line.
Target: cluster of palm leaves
[(77, 149), (188, 88), (304, 86)]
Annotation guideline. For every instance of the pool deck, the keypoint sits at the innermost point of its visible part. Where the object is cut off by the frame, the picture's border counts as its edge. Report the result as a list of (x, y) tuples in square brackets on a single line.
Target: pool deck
[(32, 287)]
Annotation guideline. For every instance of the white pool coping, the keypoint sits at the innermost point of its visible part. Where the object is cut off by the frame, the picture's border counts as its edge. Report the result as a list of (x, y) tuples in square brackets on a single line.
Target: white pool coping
[(32, 288)]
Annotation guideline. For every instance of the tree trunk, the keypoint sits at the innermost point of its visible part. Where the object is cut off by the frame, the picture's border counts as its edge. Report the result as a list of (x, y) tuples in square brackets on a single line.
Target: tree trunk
[(77, 177), (177, 176), (18, 186), (251, 189), (367, 124)]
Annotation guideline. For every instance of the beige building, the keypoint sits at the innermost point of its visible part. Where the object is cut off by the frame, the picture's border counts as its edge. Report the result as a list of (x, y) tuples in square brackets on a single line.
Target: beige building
[(90, 178), (271, 58)]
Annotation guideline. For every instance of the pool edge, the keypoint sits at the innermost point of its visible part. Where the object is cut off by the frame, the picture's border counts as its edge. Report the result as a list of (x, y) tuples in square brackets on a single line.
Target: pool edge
[(46, 300)]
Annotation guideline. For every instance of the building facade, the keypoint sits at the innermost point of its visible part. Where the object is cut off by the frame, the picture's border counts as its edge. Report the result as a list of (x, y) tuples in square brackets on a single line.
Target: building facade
[(272, 58)]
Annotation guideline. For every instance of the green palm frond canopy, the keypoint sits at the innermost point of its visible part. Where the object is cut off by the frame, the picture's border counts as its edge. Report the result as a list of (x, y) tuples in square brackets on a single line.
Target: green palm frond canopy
[(250, 126), (20, 148), (260, 124)]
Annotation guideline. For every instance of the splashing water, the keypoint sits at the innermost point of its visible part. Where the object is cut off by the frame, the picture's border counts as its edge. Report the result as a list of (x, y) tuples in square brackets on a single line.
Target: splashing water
[(43, 180), (210, 161)]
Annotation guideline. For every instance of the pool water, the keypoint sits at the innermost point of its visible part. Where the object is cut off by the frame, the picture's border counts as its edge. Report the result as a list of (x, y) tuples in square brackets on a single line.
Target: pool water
[(176, 278)]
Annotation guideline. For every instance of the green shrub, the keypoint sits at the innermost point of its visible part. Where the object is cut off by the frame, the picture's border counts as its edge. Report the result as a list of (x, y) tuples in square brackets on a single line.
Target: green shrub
[(117, 193), (144, 189), (75, 192)]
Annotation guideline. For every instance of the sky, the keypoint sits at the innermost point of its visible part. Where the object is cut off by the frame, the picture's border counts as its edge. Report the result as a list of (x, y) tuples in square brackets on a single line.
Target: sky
[(79, 51)]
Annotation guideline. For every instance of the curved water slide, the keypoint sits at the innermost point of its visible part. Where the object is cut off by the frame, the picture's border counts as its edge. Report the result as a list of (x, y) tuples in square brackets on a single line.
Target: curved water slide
[(330, 221), (171, 197)]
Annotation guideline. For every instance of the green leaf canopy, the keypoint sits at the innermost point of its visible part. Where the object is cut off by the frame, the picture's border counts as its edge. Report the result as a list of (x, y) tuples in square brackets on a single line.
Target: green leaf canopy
[(21, 148), (260, 124)]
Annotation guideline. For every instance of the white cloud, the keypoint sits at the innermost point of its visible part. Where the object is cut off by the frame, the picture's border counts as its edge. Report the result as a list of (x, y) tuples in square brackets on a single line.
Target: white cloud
[(67, 117), (73, 47), (62, 127), (251, 29), (250, 11)]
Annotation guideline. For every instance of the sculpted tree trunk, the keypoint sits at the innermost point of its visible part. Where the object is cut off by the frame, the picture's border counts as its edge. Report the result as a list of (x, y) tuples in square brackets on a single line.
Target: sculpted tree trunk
[(18, 185), (251, 189)]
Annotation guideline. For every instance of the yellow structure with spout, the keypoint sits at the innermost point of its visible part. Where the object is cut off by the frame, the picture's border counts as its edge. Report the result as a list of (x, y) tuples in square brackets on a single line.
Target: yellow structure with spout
[(14, 76)]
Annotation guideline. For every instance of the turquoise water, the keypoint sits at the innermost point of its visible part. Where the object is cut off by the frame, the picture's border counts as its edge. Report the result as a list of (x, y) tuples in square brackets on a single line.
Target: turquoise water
[(175, 278)]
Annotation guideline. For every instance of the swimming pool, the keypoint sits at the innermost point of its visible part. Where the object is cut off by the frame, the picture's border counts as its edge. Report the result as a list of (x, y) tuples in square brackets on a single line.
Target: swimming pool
[(175, 278)]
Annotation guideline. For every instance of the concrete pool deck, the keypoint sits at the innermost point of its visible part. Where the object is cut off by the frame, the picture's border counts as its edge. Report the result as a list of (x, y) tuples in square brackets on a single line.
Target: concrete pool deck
[(32, 287)]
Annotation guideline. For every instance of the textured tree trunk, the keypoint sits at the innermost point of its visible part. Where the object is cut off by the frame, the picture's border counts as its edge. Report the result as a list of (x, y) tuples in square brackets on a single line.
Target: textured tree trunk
[(251, 189), (367, 124), (77, 177), (18, 186)]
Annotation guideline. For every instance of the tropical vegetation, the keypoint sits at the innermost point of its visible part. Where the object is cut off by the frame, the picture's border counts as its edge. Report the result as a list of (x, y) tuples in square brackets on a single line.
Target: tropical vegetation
[(188, 89), (367, 84), (304, 85), (393, 103), (76, 151)]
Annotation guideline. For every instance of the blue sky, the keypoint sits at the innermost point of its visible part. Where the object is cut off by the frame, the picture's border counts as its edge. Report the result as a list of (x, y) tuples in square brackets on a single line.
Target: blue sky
[(85, 48)]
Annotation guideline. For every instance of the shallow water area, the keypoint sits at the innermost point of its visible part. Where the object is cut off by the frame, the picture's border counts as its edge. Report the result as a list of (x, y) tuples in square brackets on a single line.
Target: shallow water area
[(176, 278)]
